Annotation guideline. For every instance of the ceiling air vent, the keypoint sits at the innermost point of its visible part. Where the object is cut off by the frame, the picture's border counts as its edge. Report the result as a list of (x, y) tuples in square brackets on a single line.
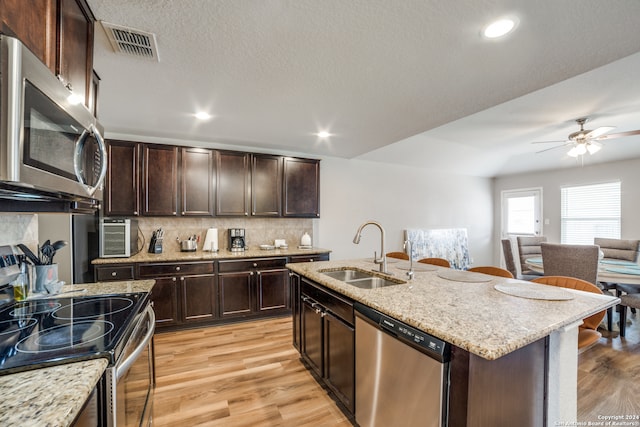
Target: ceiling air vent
[(128, 41)]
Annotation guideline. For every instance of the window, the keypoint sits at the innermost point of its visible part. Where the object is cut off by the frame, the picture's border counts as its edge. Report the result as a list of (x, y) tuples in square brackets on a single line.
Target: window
[(590, 211), (521, 212)]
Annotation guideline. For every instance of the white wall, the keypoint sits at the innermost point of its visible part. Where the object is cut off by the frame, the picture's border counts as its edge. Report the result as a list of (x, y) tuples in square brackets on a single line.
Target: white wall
[(627, 171), (353, 191)]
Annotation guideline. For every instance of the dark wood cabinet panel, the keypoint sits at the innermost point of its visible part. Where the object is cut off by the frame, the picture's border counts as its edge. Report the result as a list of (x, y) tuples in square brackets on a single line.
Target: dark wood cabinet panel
[(236, 294), (339, 365), (165, 301), (105, 273), (296, 308), (232, 183), (266, 185), (197, 181), (309, 258), (198, 298), (273, 289), (159, 180), (94, 89), (75, 46), (121, 195), (301, 187), (34, 23), (327, 339)]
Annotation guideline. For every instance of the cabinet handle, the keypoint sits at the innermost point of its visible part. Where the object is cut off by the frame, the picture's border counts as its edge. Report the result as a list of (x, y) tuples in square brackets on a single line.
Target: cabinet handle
[(182, 279), (251, 273), (173, 279), (258, 273), (178, 268), (255, 264), (114, 274), (311, 260), (135, 212)]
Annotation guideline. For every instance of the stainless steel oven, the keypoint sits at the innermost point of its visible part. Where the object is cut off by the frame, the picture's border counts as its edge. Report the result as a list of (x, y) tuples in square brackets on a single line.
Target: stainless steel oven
[(131, 381)]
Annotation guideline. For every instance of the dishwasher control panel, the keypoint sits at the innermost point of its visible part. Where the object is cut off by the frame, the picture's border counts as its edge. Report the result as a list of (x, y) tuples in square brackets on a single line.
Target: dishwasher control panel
[(434, 347)]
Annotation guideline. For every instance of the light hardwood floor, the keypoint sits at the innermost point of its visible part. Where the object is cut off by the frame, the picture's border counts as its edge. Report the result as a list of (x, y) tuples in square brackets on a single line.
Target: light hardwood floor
[(249, 374)]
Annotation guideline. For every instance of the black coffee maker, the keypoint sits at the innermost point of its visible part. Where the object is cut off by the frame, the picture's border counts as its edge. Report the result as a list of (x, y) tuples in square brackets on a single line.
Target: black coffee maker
[(236, 240)]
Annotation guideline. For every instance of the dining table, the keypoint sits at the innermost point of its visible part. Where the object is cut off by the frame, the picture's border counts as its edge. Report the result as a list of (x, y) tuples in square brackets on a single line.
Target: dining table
[(616, 271)]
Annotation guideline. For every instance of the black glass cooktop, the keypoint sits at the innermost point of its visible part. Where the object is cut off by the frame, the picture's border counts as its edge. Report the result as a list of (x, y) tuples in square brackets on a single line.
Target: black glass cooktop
[(46, 332)]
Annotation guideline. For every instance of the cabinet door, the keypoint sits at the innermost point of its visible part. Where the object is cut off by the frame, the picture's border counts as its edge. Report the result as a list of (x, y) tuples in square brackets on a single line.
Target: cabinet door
[(121, 195), (197, 182), (273, 289), (312, 332), (266, 185), (232, 183), (301, 187), (75, 46), (198, 298), (34, 23), (236, 294), (165, 301), (106, 273), (339, 365), (294, 282), (159, 180)]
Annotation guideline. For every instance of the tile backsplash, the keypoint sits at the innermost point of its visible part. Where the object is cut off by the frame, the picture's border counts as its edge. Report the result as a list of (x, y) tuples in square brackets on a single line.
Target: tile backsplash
[(258, 231), (18, 228)]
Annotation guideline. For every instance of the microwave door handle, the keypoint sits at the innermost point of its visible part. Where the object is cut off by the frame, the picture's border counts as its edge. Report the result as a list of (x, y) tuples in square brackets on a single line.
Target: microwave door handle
[(124, 366), (78, 157)]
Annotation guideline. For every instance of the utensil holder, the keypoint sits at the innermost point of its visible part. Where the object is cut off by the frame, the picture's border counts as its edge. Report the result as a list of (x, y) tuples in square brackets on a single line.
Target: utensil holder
[(45, 274)]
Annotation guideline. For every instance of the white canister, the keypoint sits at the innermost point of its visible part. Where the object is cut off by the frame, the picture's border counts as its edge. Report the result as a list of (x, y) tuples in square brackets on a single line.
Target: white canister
[(305, 240)]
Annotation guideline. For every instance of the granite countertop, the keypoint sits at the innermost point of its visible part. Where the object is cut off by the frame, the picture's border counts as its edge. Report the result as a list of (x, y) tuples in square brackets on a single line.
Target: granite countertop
[(199, 255), (54, 396), (471, 315)]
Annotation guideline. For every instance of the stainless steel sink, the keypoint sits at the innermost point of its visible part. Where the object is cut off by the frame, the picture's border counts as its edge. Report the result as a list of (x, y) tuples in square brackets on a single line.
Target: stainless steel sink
[(362, 279), (346, 275)]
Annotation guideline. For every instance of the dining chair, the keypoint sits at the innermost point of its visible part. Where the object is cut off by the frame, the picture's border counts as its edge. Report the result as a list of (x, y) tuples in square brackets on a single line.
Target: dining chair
[(492, 271), (529, 247), (587, 332), (510, 262), (631, 301), (436, 261), (579, 261), (398, 255)]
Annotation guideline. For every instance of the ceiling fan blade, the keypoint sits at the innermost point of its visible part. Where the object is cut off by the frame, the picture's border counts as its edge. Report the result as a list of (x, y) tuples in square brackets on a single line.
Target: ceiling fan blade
[(619, 135), (552, 148), (599, 131)]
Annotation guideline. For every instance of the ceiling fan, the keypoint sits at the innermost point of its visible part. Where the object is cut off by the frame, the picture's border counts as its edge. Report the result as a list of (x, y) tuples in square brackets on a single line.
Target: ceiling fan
[(587, 141)]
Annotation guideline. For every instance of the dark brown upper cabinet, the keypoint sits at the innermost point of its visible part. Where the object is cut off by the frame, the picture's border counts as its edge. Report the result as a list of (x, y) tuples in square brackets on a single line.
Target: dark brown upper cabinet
[(232, 183), (121, 195), (266, 185), (59, 32), (75, 47), (301, 187), (159, 180), (197, 182)]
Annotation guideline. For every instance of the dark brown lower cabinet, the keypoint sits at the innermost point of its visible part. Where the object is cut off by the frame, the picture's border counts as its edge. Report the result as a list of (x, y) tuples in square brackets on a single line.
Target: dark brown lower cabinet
[(296, 307), (253, 287), (328, 339), (184, 293)]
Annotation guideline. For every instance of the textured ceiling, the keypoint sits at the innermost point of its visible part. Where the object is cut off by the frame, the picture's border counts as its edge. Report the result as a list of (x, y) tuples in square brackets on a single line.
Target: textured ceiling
[(410, 82)]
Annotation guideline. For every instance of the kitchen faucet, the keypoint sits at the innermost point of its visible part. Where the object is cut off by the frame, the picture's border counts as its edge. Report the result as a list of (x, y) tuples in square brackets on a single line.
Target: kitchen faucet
[(383, 257), (410, 272)]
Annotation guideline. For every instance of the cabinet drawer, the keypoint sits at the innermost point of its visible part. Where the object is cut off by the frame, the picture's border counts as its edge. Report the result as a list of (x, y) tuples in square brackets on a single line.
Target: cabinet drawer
[(338, 305), (114, 272), (251, 264), (309, 258), (173, 269)]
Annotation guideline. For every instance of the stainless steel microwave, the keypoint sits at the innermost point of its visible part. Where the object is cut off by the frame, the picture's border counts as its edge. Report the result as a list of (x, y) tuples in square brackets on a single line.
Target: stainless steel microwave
[(49, 142)]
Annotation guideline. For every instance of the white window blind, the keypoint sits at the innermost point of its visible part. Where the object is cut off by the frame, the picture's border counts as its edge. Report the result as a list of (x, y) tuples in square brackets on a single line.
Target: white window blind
[(590, 211)]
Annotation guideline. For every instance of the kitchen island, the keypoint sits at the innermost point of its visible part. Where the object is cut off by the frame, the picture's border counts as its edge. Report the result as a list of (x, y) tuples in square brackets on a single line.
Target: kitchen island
[(520, 349), (55, 395)]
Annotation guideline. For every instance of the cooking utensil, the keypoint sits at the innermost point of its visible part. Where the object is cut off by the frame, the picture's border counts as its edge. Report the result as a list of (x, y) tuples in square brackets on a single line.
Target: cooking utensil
[(32, 257), (187, 245)]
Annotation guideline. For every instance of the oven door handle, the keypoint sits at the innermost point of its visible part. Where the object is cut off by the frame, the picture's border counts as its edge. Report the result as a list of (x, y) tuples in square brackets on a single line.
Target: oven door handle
[(122, 368)]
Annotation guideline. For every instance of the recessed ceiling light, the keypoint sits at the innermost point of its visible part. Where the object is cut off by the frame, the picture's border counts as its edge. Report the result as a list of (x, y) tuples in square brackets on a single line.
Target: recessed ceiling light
[(203, 115), (323, 134), (499, 28)]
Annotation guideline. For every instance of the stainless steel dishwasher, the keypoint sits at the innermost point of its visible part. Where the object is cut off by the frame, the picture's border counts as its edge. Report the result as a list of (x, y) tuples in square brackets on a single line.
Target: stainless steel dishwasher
[(401, 373)]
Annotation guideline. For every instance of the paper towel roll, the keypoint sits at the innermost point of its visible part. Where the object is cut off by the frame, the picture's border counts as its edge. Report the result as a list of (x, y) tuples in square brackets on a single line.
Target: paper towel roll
[(211, 240)]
